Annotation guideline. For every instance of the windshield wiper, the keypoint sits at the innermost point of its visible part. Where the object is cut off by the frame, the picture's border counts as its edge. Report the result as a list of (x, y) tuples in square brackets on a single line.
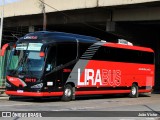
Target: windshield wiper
[(26, 67), (20, 66)]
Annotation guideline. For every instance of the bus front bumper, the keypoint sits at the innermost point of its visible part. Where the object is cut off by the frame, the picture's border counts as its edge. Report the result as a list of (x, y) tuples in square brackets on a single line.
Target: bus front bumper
[(33, 94)]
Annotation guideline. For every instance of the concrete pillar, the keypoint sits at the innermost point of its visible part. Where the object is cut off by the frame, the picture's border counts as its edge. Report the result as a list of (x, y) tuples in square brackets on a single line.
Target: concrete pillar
[(31, 29), (110, 26), (120, 30), (157, 67)]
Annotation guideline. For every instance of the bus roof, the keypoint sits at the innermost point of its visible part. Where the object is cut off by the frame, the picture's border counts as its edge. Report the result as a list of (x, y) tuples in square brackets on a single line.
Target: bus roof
[(42, 35), (47, 36)]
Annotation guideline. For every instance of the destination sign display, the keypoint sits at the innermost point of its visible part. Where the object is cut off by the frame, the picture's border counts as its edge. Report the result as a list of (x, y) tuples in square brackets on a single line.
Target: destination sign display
[(30, 46)]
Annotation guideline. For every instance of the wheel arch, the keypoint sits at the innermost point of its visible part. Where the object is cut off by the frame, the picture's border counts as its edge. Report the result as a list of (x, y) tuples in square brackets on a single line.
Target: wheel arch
[(136, 83), (70, 83)]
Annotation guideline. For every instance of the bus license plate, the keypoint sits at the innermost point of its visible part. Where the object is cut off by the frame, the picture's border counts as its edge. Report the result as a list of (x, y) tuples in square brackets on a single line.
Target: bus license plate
[(19, 91)]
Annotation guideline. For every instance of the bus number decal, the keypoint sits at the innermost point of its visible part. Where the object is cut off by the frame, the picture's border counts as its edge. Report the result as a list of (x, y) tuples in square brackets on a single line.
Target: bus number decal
[(100, 77)]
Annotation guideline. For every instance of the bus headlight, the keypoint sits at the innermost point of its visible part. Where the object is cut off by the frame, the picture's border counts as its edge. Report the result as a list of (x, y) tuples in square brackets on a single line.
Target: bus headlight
[(40, 85), (8, 85)]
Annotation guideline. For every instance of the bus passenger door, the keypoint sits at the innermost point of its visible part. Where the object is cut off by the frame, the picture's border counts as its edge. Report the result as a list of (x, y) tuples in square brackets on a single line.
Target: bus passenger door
[(66, 58), (53, 74)]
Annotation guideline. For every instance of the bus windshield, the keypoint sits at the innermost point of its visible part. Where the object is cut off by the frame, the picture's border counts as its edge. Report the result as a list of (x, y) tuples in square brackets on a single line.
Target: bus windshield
[(25, 61)]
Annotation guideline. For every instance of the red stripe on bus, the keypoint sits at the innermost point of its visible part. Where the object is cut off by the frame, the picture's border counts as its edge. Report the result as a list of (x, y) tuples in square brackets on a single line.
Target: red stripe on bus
[(34, 94), (101, 92), (128, 47)]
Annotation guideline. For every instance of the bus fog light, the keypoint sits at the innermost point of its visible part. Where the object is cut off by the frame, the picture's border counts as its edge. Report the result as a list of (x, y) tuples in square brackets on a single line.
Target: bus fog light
[(49, 83), (37, 85)]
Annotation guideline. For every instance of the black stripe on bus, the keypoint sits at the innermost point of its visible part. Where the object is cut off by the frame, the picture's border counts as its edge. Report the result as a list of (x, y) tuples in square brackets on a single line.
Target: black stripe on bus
[(123, 55)]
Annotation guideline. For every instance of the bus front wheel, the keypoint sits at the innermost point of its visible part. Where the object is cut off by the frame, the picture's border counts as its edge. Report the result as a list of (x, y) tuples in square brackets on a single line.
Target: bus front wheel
[(68, 93), (134, 91)]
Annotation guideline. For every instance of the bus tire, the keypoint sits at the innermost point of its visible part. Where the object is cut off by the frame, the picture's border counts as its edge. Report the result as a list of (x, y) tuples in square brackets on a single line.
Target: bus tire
[(134, 91), (68, 93)]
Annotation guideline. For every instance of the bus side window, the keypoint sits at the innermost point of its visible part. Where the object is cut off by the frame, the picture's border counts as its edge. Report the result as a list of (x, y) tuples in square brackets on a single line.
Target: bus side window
[(51, 59), (66, 52)]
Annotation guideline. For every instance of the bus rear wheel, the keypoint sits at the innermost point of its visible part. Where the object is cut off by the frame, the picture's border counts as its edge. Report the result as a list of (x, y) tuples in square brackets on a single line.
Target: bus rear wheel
[(68, 93), (134, 91)]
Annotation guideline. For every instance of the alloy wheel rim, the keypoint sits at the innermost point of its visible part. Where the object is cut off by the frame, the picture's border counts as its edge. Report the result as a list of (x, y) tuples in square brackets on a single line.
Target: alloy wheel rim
[(133, 90), (67, 92)]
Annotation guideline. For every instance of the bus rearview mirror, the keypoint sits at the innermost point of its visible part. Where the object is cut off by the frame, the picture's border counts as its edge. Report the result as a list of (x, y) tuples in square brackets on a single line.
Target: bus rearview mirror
[(3, 50)]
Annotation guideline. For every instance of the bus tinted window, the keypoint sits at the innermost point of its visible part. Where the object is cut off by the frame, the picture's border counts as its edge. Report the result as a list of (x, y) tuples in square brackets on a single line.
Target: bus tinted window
[(51, 59), (66, 53), (123, 55)]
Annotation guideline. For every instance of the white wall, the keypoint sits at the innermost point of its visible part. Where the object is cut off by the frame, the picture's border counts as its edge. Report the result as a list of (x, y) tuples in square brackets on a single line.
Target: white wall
[(25, 7)]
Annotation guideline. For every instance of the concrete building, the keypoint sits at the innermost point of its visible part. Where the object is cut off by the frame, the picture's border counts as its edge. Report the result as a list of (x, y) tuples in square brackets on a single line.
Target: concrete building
[(138, 21)]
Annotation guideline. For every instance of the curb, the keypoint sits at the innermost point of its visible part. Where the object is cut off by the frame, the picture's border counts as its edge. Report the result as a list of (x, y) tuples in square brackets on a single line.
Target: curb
[(3, 96)]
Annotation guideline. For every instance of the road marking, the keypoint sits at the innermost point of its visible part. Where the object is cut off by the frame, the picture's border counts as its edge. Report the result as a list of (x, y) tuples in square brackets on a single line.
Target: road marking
[(17, 104), (74, 109)]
